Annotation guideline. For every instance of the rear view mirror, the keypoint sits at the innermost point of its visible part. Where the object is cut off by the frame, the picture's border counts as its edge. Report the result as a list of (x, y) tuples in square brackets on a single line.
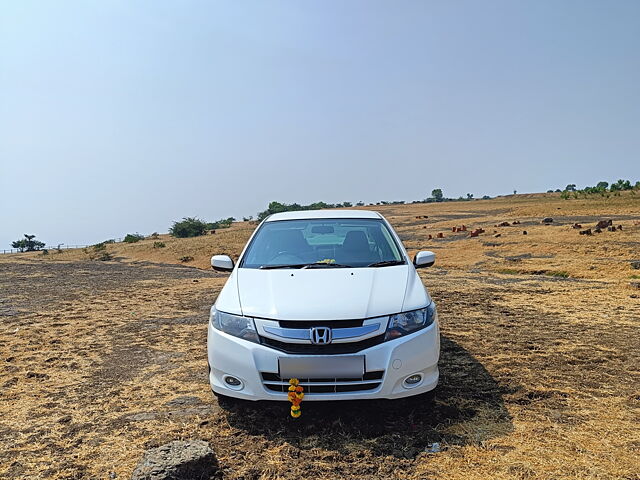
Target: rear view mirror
[(424, 259), (222, 263), (324, 229)]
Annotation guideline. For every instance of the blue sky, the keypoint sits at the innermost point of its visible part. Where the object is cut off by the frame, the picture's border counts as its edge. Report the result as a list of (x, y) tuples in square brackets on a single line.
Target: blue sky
[(123, 116)]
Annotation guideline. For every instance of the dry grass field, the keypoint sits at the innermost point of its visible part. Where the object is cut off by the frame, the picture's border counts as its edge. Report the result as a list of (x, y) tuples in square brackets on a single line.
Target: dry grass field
[(540, 364)]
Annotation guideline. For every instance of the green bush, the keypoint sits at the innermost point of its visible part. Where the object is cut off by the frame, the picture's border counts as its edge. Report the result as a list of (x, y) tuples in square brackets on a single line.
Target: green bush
[(28, 243), (189, 227), (98, 247), (133, 238), (222, 223), (158, 245)]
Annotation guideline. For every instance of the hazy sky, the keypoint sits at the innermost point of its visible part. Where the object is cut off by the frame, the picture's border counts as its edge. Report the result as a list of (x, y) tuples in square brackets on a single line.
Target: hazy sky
[(121, 116)]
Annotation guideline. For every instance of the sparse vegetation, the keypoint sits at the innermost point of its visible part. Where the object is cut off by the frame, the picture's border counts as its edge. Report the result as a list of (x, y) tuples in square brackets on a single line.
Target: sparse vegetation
[(159, 245), (531, 385), (186, 258)]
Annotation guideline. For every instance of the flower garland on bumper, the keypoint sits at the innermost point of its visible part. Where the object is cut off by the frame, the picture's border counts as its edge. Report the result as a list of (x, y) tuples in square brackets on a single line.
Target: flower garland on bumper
[(296, 394)]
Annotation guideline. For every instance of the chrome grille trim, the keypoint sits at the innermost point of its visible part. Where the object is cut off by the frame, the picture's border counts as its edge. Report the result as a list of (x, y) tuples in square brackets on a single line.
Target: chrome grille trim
[(271, 329)]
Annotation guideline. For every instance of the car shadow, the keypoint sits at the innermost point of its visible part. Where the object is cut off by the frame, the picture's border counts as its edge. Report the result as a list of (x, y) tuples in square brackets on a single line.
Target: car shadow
[(468, 409)]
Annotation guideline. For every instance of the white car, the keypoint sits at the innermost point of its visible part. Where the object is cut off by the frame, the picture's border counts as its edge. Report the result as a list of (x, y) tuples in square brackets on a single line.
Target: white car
[(330, 298)]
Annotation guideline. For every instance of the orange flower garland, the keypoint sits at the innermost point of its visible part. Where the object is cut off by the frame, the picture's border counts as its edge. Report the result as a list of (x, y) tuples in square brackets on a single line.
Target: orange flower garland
[(296, 394)]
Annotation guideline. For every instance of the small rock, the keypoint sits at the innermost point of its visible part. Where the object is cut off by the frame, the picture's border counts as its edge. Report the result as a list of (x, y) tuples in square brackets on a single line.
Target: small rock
[(497, 235), (547, 220), (185, 400), (36, 375), (635, 264), (178, 460), (634, 284), (604, 224), (524, 232), (433, 448), (141, 417)]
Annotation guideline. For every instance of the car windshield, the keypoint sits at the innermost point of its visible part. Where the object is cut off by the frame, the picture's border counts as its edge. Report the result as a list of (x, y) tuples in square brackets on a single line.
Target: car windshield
[(320, 243)]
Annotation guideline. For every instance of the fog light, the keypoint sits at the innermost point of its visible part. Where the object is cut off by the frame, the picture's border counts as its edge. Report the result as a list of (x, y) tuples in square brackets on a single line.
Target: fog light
[(412, 380), (233, 382)]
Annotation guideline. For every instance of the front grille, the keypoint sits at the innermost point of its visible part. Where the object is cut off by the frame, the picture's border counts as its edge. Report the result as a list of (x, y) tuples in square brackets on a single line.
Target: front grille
[(328, 349), (369, 381), (320, 323)]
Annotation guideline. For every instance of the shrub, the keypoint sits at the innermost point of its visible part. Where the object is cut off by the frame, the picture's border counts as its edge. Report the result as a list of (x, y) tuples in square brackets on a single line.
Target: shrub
[(111, 240), (45, 252), (28, 243), (100, 246), (154, 235), (222, 223), (133, 238), (189, 227), (158, 245), (186, 258)]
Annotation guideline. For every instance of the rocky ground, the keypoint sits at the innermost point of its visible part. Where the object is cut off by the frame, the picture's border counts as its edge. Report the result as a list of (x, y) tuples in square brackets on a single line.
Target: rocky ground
[(540, 371)]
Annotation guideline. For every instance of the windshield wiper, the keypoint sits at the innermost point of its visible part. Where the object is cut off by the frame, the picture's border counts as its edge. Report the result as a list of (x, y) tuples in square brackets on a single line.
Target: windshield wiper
[(386, 263), (326, 265), (273, 267)]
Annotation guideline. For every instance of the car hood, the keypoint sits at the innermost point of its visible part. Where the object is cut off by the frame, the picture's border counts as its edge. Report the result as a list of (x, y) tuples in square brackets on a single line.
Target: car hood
[(323, 294)]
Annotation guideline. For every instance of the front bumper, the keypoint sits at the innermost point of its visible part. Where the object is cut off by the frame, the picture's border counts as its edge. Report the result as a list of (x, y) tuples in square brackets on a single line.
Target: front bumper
[(389, 363)]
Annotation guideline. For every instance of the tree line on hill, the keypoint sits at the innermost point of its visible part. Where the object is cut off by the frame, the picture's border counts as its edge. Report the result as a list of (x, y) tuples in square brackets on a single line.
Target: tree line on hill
[(194, 227), (603, 188)]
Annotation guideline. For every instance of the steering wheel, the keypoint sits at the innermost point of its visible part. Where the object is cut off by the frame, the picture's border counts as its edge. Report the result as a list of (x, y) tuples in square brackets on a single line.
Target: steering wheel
[(285, 257)]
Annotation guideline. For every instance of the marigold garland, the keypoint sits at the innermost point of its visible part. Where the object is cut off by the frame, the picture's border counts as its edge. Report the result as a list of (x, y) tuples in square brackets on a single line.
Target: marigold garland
[(296, 394)]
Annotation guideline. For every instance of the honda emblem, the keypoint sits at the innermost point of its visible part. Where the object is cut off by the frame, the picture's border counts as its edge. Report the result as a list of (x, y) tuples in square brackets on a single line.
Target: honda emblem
[(320, 335)]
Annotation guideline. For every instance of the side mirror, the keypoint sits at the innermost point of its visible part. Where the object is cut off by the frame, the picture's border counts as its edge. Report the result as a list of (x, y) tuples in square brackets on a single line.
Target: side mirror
[(222, 263), (424, 259)]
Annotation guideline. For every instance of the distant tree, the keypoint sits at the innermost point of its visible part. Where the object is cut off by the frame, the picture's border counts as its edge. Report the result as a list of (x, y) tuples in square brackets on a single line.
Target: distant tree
[(486, 197), (571, 187), (549, 191), (437, 194), (28, 243), (469, 196), (361, 203), (347, 204), (621, 185), (558, 190), (515, 192), (602, 185), (188, 227)]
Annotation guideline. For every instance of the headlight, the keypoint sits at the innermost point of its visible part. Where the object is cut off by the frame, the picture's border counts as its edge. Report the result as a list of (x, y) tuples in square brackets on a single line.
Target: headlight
[(241, 327), (408, 322)]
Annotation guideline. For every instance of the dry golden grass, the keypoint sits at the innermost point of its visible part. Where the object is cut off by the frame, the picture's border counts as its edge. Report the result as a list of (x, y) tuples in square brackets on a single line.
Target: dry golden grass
[(540, 373)]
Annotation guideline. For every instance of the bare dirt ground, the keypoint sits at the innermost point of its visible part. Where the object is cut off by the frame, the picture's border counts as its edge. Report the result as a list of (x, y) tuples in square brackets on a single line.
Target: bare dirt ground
[(540, 364)]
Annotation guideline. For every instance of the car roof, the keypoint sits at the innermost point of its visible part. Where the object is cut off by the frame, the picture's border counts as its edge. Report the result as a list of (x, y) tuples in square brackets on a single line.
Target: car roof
[(312, 214)]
